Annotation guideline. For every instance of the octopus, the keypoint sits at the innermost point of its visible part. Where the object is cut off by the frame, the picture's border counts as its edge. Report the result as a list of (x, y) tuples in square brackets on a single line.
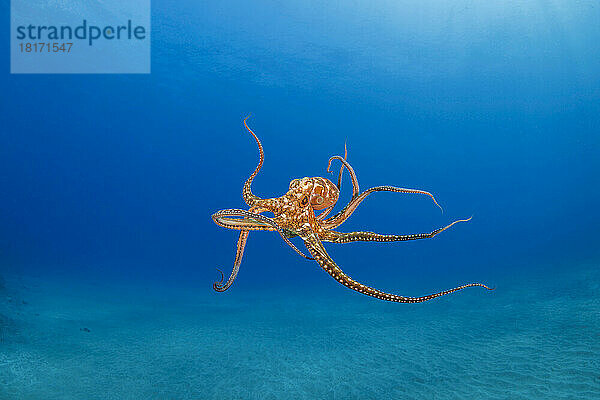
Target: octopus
[(302, 212)]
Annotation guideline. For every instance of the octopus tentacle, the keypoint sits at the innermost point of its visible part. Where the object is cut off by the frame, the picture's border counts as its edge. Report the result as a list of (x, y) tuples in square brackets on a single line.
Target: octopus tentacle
[(219, 219), (342, 237), (346, 212), (219, 286), (248, 223), (316, 248), (245, 225), (355, 188), (326, 212), (250, 198), (339, 182)]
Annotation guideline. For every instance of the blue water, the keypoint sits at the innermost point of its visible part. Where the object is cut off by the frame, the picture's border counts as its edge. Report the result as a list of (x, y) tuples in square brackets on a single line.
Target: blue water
[(108, 252)]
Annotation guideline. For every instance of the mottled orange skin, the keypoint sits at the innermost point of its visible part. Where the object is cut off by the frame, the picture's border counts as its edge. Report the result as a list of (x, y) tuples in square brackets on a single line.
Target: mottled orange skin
[(295, 210)]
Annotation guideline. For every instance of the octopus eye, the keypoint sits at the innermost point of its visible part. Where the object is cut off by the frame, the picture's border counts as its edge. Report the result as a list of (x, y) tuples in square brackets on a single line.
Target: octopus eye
[(304, 201), (320, 200)]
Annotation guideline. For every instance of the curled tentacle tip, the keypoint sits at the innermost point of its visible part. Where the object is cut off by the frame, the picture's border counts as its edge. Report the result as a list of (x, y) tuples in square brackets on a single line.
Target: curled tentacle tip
[(247, 116), (222, 277), (218, 286)]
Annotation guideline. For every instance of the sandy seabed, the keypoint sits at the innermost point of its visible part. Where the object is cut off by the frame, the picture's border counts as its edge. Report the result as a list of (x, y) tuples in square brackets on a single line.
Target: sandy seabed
[(64, 339)]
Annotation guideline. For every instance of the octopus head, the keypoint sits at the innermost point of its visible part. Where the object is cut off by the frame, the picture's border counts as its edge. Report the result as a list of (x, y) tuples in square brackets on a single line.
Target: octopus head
[(319, 192)]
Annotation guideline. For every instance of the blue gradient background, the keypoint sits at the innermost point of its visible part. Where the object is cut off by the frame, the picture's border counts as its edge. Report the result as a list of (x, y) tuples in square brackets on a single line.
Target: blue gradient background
[(493, 107)]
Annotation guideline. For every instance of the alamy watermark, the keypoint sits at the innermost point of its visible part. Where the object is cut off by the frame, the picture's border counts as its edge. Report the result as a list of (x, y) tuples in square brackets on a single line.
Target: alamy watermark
[(80, 37)]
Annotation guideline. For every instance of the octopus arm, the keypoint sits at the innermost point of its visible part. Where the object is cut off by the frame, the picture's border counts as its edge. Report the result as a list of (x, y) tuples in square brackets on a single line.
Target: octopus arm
[(347, 237), (219, 286), (250, 198), (224, 219), (348, 210), (317, 250), (355, 187)]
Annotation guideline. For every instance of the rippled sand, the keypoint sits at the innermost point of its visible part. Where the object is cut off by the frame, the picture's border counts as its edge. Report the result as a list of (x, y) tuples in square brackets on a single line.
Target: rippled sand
[(529, 339)]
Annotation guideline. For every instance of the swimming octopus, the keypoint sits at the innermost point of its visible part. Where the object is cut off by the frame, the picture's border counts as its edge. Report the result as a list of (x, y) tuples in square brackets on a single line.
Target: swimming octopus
[(295, 215)]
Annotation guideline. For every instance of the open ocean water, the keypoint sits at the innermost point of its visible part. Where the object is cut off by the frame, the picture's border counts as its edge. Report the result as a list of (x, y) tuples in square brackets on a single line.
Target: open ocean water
[(108, 252)]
